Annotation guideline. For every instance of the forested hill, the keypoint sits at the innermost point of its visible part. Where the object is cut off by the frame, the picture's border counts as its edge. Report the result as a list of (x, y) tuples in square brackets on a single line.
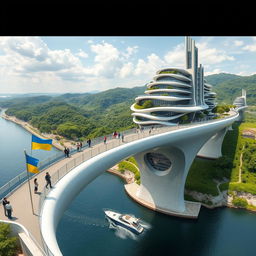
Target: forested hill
[(229, 86), (220, 78), (77, 116)]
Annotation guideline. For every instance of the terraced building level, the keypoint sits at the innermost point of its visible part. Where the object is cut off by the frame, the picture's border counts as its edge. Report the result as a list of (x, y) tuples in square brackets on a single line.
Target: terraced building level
[(176, 95)]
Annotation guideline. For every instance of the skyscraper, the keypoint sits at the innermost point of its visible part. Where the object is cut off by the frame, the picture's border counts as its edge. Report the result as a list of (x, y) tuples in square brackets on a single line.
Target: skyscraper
[(176, 95)]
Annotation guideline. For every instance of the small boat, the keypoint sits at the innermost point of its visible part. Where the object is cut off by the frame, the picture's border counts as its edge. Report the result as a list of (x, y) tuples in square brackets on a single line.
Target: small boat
[(124, 220)]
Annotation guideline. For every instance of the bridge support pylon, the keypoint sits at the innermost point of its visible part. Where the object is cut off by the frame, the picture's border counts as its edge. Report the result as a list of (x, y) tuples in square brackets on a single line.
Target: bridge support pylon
[(212, 148), (163, 176), (241, 115)]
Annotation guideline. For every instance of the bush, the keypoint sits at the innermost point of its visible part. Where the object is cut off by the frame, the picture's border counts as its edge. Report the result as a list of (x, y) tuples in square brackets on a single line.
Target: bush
[(240, 202), (8, 245), (124, 165)]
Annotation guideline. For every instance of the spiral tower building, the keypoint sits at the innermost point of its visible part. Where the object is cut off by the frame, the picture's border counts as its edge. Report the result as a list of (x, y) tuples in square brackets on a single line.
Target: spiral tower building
[(175, 94)]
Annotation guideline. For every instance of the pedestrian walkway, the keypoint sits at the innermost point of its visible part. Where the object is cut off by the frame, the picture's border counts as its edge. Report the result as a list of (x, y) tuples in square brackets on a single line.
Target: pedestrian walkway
[(20, 199)]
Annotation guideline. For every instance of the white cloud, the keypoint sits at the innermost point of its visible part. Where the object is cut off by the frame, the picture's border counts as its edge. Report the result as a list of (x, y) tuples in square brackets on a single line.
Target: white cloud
[(238, 43), (126, 70), (150, 66), (250, 47), (82, 54), (130, 50), (176, 57), (104, 52), (210, 56)]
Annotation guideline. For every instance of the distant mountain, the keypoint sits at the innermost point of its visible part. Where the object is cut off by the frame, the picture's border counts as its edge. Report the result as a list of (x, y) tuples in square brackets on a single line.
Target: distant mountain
[(220, 78), (77, 115), (229, 86)]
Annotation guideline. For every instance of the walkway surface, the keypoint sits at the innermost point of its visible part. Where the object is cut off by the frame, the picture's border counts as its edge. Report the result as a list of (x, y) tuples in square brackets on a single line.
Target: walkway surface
[(20, 201)]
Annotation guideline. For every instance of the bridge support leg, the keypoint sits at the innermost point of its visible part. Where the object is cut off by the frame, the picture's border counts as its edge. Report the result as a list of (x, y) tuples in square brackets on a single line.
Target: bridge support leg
[(241, 115), (162, 188), (212, 148), (163, 175)]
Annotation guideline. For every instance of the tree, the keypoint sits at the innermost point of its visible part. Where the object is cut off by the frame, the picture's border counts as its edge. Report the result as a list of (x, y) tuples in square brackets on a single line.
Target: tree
[(184, 118), (252, 164), (148, 104), (8, 244), (240, 202)]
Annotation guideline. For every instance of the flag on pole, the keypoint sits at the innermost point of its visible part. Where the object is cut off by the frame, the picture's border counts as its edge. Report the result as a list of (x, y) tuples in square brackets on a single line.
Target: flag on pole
[(31, 164), (38, 143)]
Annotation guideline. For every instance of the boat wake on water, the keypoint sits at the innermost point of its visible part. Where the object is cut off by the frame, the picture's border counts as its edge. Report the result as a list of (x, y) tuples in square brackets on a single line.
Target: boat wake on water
[(120, 231), (126, 225), (85, 220)]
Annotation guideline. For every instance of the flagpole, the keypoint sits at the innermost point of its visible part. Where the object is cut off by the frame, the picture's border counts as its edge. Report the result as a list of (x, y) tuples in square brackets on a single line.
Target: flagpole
[(32, 206)]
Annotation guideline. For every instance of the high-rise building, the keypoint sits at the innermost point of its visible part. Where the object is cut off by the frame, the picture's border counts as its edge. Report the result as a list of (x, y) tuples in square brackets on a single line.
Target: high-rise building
[(176, 94)]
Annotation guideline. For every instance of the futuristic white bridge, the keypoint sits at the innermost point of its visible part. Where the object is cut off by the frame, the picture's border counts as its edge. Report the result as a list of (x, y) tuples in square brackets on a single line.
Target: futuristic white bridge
[(162, 182)]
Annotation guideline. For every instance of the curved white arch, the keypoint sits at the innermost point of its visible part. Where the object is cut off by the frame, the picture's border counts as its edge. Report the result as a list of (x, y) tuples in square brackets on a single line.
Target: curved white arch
[(151, 122), (178, 109), (179, 77), (167, 90), (178, 84), (185, 72), (72, 183), (164, 98), (158, 118), (208, 85)]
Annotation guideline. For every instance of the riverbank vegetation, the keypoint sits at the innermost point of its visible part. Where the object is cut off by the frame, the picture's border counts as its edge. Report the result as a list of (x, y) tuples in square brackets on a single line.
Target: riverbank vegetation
[(235, 171), (131, 165), (8, 244)]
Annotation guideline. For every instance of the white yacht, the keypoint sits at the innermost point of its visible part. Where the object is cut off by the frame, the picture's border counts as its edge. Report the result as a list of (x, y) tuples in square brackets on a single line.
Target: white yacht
[(124, 220)]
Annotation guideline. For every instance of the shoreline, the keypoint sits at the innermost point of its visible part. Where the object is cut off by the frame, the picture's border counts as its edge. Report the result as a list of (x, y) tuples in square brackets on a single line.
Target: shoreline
[(33, 130), (221, 204)]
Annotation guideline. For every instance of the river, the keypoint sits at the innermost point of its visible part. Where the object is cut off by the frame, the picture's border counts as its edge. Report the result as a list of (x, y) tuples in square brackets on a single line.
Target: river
[(83, 229), (13, 140)]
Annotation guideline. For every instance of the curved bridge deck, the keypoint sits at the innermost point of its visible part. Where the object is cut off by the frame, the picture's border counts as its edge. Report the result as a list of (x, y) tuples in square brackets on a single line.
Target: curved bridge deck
[(20, 200)]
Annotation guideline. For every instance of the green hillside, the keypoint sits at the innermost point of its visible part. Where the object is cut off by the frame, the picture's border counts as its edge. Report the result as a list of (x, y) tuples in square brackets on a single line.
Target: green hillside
[(228, 87), (220, 78), (77, 116)]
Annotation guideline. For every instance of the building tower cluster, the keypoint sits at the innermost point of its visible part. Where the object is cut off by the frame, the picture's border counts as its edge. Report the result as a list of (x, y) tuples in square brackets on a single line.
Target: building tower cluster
[(175, 94), (240, 101)]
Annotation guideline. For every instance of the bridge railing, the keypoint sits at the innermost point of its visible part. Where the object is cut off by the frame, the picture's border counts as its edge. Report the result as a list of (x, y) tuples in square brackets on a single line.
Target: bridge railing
[(98, 147), (17, 181)]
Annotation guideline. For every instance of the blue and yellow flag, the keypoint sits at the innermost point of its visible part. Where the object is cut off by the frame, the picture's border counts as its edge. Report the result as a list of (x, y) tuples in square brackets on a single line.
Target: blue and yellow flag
[(31, 164), (38, 143)]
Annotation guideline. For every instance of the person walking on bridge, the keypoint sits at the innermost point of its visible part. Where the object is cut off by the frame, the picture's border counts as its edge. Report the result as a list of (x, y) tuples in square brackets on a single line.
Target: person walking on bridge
[(35, 186), (4, 204), (48, 180), (9, 210), (89, 142)]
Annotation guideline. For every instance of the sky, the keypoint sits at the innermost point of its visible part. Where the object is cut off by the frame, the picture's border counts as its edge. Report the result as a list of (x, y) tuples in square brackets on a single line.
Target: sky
[(84, 64)]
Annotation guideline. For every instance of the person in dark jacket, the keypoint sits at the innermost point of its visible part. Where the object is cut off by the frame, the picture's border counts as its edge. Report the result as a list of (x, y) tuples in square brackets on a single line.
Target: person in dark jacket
[(9, 210), (48, 180), (5, 201)]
